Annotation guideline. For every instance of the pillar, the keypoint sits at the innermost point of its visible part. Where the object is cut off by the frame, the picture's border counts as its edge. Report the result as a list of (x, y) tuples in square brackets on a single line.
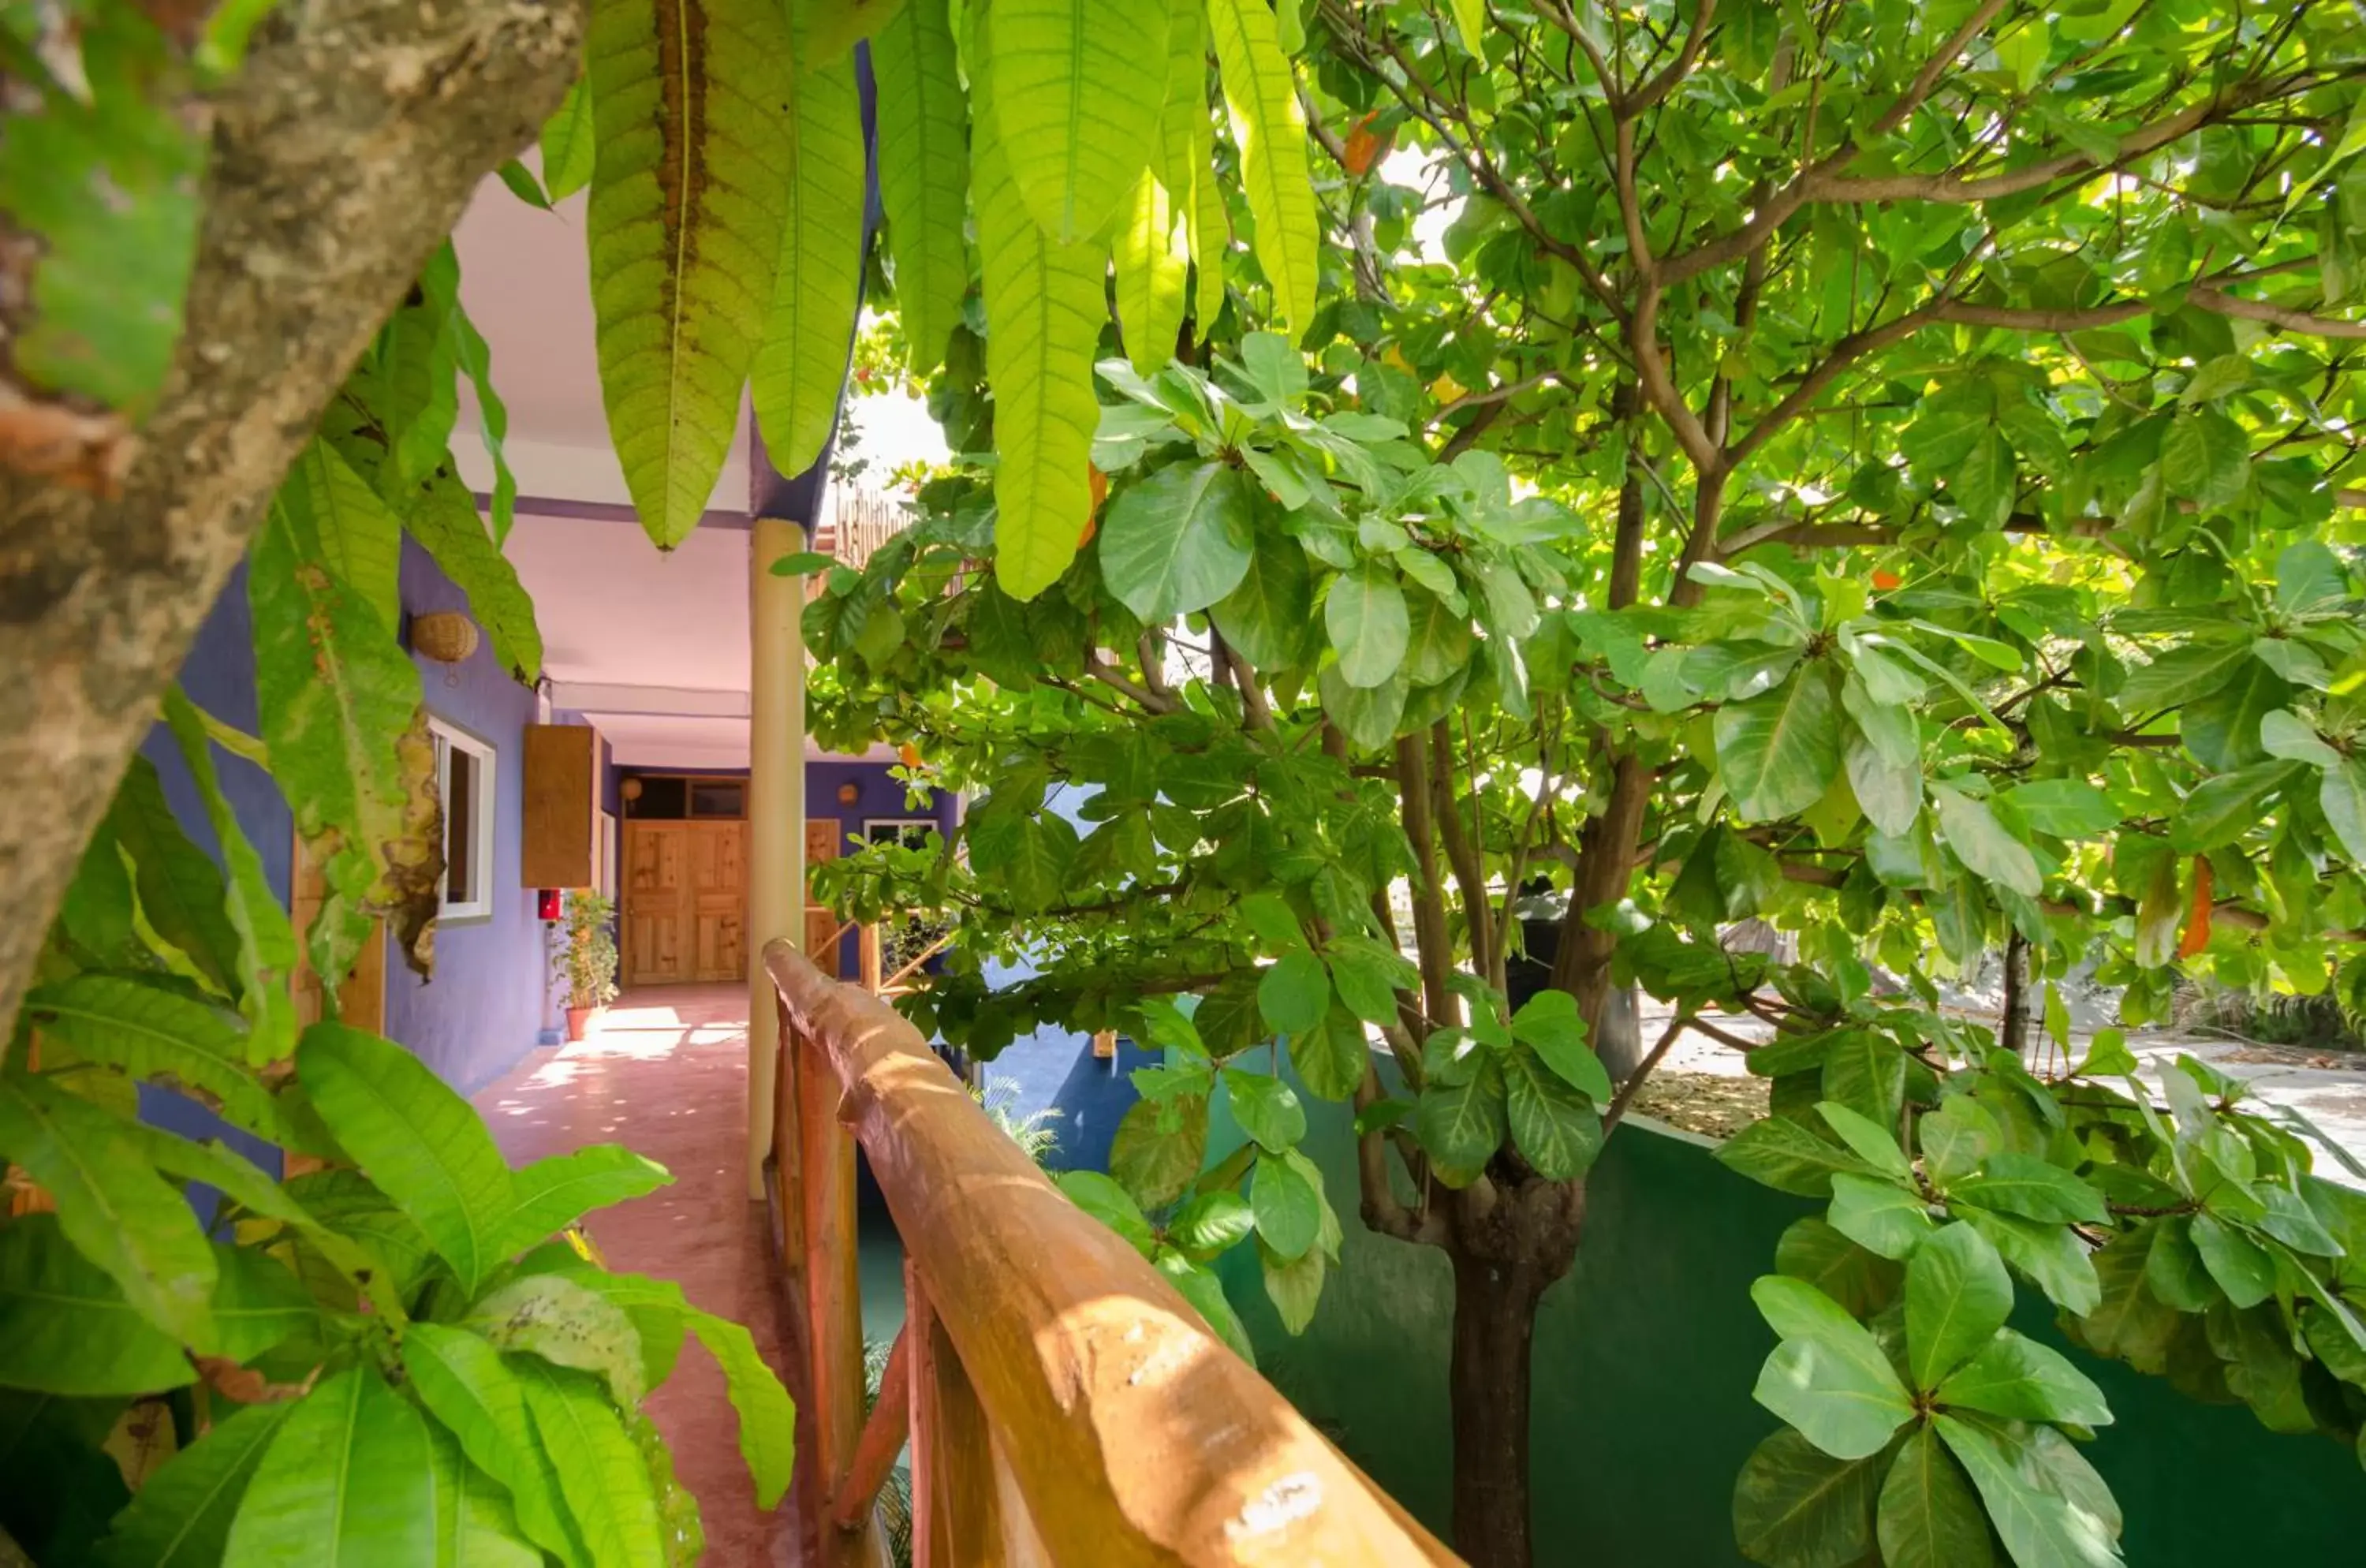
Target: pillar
[(776, 806)]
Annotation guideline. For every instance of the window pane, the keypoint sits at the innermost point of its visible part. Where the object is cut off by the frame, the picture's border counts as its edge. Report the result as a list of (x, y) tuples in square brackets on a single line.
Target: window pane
[(718, 797), (660, 800), (460, 806)]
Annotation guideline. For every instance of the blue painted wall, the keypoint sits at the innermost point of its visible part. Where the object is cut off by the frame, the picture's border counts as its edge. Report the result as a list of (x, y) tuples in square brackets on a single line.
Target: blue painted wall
[(488, 1002)]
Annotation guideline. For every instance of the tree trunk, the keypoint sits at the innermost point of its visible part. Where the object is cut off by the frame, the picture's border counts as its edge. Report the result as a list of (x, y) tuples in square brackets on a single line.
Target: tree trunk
[(1511, 1239), (2013, 1033), (1495, 1327), (343, 154)]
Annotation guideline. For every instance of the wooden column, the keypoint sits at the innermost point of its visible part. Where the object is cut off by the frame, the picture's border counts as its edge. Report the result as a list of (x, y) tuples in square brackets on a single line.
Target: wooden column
[(776, 804)]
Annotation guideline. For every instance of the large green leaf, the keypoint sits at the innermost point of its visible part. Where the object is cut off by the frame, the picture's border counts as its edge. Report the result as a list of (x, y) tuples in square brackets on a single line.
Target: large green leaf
[(2051, 1255), (1879, 1216), (1334, 1057), (103, 179), (472, 1392), (1267, 1108), (1828, 1377), (347, 528), (179, 888), (266, 941), (2206, 458), (2342, 795), (347, 1483), (809, 331), (1153, 239), (1556, 1128), (1957, 1296), (2040, 1526), (1797, 1506), (606, 1482), (1269, 128), (1550, 1023), (568, 143), (1929, 1515), (923, 173), (1043, 311), (1158, 1147), (566, 1324), (65, 1326), (1151, 250), (553, 1193), (1294, 993), (1366, 616), (112, 1206), (422, 1144), (2242, 1268), (1288, 1208), (1981, 842), (410, 383), (181, 1516), (688, 204), (1177, 541), (1076, 88), (443, 517), (1777, 753), (163, 1037), (2017, 1378), (1783, 1155), (475, 1526), (767, 1421), (339, 704), (1463, 1124), (2034, 1189), (1264, 616)]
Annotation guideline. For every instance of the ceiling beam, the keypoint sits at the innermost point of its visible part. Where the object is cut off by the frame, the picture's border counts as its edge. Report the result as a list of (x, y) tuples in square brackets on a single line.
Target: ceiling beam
[(670, 702)]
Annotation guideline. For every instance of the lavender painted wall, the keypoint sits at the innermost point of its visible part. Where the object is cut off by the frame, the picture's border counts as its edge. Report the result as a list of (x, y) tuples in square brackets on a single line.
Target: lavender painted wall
[(485, 1007), (219, 675)]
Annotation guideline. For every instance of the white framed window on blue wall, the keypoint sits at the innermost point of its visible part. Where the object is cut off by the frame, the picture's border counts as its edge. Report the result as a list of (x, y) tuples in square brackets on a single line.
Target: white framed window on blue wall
[(464, 780)]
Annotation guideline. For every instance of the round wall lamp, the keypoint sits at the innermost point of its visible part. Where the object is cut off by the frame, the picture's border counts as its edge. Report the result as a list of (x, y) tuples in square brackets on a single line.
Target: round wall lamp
[(849, 793), (446, 636)]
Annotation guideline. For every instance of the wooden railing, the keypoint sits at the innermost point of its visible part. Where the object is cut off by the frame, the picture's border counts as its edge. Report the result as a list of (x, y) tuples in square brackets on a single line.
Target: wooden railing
[(1063, 1402)]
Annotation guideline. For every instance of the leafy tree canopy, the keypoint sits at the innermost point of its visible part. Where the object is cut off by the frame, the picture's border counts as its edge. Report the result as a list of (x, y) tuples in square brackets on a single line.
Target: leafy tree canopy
[(1887, 470)]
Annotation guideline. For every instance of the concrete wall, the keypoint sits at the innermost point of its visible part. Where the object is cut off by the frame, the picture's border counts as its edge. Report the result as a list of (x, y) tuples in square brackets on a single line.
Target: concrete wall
[(491, 997), (1645, 1357)]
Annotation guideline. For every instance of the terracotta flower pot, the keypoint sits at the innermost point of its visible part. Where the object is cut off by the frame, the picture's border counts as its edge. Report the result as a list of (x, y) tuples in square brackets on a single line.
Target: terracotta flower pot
[(580, 1020)]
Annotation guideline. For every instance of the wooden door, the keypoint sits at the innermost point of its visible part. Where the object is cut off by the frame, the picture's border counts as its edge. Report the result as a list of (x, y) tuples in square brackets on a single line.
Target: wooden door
[(718, 899), (823, 836), (686, 900), (658, 938)]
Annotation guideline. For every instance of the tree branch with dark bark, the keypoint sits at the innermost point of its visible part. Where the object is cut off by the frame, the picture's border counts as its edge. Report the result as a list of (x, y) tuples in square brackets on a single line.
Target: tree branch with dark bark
[(343, 154)]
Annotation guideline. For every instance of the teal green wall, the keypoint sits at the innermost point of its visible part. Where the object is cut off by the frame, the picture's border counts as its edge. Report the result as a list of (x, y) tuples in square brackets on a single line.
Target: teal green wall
[(1645, 1359)]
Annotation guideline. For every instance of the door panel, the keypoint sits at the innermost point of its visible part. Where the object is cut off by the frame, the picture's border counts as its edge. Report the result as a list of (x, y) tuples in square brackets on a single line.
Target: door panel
[(718, 898), (656, 890)]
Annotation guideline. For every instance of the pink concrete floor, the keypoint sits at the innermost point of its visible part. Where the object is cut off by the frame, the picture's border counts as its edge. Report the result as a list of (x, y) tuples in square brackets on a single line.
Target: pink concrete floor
[(665, 1074)]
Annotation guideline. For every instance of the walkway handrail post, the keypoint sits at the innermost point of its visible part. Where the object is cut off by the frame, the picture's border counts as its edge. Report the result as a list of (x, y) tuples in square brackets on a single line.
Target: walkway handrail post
[(1116, 1427)]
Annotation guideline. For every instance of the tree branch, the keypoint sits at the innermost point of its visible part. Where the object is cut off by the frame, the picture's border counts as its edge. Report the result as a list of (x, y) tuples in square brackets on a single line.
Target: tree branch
[(343, 154)]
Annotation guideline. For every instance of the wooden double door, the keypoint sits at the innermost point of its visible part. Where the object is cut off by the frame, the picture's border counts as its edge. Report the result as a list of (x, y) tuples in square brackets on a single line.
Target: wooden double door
[(685, 899)]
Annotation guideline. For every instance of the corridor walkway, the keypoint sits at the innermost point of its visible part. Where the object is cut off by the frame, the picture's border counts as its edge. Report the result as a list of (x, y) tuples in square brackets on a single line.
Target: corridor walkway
[(665, 1074)]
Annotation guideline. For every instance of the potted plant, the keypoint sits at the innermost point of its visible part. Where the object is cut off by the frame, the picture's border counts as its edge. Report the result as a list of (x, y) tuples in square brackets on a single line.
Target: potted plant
[(587, 961)]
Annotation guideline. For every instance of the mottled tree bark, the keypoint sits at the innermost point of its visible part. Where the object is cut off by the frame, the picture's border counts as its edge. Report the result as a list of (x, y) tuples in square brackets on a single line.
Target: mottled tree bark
[(341, 154)]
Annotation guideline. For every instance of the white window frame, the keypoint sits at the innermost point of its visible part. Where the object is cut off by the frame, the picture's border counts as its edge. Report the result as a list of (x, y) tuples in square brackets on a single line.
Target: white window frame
[(450, 736)]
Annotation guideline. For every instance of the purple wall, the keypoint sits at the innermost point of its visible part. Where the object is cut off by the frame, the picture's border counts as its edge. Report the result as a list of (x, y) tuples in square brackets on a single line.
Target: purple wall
[(219, 675), (486, 1006)]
